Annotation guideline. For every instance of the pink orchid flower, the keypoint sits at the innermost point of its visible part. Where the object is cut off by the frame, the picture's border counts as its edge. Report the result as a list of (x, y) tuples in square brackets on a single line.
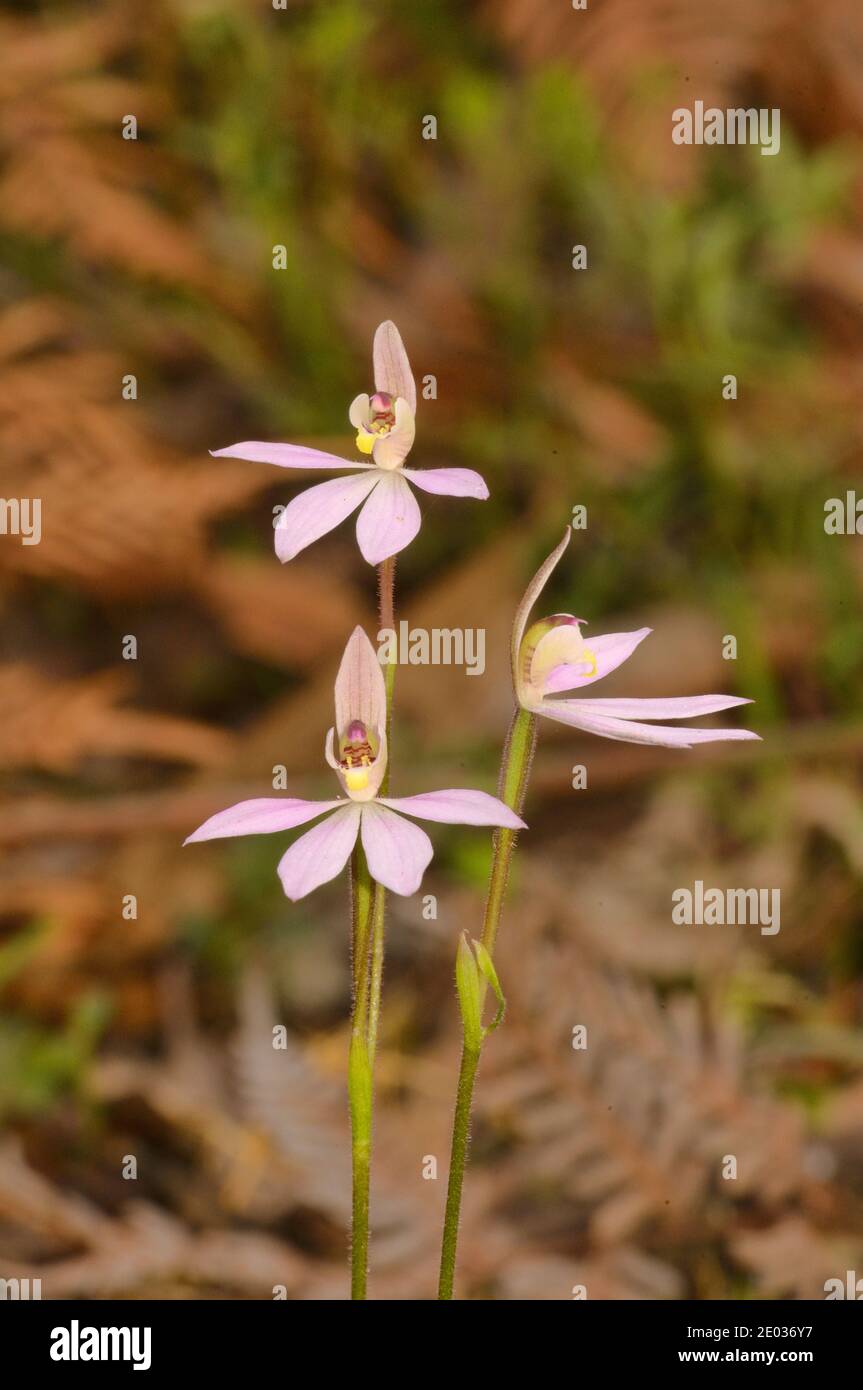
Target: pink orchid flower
[(390, 515), (551, 656), (397, 851)]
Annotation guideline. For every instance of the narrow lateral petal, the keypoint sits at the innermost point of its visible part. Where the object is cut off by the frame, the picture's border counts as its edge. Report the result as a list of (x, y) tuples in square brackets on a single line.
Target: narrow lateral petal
[(675, 707), (389, 520), (397, 851), (320, 854), (285, 455), (448, 482), (610, 651), (531, 594), (262, 816), (456, 806), (360, 688), (573, 713), (318, 510), (359, 411), (391, 366)]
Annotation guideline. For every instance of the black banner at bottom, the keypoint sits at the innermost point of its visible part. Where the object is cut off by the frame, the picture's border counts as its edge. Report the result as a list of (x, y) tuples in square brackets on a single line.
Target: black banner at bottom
[(83, 1338)]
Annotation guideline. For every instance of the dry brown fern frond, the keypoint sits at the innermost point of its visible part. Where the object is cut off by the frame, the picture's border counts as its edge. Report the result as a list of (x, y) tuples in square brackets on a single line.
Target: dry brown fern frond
[(288, 617), (621, 36), (671, 843), (66, 173), (54, 724), (802, 59), (301, 1110), (634, 1127), (121, 512), (48, 1214), (269, 1127), (794, 1258), (79, 1252), (302, 1107)]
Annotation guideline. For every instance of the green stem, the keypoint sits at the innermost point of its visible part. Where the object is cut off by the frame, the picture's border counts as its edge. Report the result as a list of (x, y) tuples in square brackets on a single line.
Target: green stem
[(379, 901), (457, 1164), (386, 592), (359, 1076), (368, 902), (377, 968), (512, 787)]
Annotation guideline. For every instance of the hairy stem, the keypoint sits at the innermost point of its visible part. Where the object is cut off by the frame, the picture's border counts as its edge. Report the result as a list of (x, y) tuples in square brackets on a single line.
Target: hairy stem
[(512, 787), (386, 591), (359, 1074), (379, 900), (368, 912)]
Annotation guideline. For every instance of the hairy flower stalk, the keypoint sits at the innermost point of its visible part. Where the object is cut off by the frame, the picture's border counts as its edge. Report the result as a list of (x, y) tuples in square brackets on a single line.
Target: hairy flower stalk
[(512, 789), (368, 950), (548, 658), (386, 621), (360, 1086)]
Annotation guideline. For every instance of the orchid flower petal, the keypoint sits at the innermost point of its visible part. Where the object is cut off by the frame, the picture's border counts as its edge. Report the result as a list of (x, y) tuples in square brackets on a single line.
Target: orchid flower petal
[(575, 714), (567, 677), (532, 593), (285, 455), (330, 750), (608, 652), (391, 366), (360, 688), (392, 449), (317, 510), (448, 482), (456, 806), (397, 851), (264, 815), (561, 653), (389, 520), (320, 854), (676, 707), (611, 649)]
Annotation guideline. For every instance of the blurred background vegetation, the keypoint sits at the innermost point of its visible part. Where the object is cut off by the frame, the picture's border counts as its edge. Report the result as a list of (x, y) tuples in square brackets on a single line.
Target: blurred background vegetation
[(151, 1036)]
